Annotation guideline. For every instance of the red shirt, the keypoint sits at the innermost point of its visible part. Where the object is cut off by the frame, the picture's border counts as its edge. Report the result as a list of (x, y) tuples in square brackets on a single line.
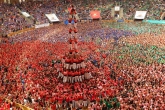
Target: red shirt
[(7, 106), (70, 73), (73, 11), (0, 101), (70, 40), (76, 98), (79, 73), (53, 107), (82, 71), (104, 56), (75, 40), (2, 108), (75, 73), (67, 60), (71, 60), (74, 60), (65, 73), (67, 99), (60, 100)]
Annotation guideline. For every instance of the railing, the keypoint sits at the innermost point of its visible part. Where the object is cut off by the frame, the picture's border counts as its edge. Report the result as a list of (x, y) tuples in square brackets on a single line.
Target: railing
[(20, 31)]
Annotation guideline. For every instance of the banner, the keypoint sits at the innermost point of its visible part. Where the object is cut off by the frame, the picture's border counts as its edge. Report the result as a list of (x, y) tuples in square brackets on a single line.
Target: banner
[(140, 14), (25, 14), (117, 8), (52, 17), (41, 25), (95, 14)]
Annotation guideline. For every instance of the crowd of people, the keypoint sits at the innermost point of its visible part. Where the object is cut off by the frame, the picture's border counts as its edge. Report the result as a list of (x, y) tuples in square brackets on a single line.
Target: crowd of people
[(13, 20), (34, 77), (38, 9), (153, 8), (122, 72), (127, 64), (137, 27)]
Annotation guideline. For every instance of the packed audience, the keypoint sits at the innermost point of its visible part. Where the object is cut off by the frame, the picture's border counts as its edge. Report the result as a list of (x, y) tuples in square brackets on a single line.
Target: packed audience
[(127, 64), (121, 71), (13, 20), (38, 10), (136, 27), (28, 79)]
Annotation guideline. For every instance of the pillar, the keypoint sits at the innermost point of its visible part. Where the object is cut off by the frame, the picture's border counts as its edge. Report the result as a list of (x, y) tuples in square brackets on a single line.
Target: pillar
[(121, 13), (113, 12)]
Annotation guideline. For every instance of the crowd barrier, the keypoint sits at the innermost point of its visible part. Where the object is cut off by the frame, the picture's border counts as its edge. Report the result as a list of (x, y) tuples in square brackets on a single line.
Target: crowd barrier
[(20, 31), (28, 29)]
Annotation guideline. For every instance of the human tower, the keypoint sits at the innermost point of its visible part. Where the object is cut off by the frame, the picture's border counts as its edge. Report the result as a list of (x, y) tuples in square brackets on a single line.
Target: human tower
[(73, 67)]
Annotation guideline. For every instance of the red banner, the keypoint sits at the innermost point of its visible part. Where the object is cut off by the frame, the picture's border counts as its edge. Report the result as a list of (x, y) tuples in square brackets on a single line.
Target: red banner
[(95, 14)]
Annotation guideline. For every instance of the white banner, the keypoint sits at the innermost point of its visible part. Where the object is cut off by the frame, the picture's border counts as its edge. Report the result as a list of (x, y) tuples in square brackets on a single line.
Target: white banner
[(117, 8), (41, 25), (140, 14), (25, 14), (52, 17)]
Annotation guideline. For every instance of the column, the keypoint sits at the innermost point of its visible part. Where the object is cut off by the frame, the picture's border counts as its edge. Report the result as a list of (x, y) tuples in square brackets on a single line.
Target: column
[(112, 12), (8, 2), (121, 13)]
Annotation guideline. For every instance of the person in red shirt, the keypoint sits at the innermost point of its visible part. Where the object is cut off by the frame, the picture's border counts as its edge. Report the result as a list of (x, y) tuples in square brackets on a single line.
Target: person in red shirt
[(70, 40), (69, 76), (72, 15), (1, 100), (7, 106), (82, 73), (53, 106)]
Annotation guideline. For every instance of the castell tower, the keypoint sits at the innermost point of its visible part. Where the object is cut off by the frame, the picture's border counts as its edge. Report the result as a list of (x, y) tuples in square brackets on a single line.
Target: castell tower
[(73, 67)]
